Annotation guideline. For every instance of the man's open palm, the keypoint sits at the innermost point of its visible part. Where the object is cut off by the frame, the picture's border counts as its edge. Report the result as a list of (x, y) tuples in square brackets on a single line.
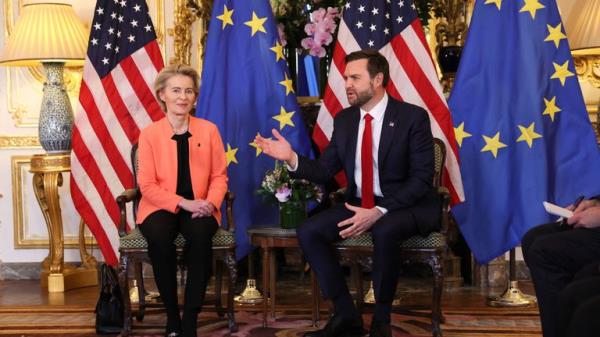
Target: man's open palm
[(279, 148)]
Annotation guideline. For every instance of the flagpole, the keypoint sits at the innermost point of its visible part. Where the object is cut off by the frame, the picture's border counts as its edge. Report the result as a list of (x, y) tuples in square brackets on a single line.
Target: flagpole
[(512, 296)]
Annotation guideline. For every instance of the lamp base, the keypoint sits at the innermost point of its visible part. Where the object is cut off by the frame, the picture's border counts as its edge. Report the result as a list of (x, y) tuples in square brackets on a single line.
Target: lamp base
[(56, 114)]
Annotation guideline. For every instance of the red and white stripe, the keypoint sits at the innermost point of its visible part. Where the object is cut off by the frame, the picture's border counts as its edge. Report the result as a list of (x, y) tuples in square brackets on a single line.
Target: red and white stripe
[(111, 112), (413, 79)]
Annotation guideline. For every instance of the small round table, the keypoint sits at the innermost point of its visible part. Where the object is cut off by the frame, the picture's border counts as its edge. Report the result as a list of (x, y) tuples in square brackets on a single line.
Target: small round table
[(268, 238)]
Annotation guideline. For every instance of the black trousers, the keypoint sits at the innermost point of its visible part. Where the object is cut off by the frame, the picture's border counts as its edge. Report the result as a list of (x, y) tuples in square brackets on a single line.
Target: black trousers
[(579, 304), (554, 254), (160, 230), (317, 234)]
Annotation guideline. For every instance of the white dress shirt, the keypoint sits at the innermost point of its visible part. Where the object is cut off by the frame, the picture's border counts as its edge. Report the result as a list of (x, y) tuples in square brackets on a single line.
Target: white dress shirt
[(377, 112)]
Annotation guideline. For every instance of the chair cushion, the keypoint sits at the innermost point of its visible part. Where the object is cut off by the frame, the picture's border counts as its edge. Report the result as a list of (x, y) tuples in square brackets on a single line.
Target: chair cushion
[(433, 240), (135, 240)]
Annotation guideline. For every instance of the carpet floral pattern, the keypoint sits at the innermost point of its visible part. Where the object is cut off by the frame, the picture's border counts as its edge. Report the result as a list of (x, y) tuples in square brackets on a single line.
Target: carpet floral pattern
[(79, 322)]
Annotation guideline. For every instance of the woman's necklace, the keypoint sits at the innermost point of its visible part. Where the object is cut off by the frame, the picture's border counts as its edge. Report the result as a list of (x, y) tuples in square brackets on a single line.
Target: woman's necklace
[(182, 129)]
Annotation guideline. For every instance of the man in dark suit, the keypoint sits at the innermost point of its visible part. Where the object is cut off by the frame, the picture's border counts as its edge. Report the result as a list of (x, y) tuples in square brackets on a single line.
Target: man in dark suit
[(385, 148), (561, 258)]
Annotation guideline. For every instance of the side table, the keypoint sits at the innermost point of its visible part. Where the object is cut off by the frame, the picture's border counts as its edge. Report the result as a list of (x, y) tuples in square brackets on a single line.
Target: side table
[(47, 172), (268, 238)]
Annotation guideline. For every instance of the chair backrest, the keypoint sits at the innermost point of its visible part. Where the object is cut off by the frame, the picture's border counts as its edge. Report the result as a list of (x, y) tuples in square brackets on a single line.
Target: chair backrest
[(439, 150)]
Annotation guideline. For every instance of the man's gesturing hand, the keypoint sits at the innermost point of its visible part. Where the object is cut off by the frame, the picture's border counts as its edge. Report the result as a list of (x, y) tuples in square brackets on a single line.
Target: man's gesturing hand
[(279, 148), (362, 221)]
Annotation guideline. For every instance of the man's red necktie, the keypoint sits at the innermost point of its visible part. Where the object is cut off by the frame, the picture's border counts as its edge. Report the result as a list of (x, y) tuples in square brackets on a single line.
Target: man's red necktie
[(366, 161)]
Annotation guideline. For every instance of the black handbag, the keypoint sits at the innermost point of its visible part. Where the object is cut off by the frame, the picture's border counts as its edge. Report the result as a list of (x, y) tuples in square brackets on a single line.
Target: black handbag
[(109, 309)]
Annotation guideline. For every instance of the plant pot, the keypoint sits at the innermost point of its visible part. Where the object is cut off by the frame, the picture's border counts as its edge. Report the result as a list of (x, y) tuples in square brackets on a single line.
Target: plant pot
[(291, 214)]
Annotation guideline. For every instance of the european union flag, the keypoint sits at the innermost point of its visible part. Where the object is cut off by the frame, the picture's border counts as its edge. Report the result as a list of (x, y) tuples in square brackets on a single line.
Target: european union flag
[(520, 122), (247, 90)]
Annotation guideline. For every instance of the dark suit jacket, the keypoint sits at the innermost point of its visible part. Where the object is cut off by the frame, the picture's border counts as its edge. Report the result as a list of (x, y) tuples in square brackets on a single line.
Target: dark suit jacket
[(405, 158)]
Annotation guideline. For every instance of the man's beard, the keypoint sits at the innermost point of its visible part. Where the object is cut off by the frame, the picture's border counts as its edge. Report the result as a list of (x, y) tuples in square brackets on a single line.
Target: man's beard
[(362, 97)]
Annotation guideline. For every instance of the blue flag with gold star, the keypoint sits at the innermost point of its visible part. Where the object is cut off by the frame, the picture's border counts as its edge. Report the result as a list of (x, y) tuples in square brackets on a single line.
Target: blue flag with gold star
[(521, 124), (246, 90)]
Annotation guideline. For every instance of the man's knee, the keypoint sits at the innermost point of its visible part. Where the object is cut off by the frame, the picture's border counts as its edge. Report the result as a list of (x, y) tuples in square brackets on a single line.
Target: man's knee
[(307, 231)]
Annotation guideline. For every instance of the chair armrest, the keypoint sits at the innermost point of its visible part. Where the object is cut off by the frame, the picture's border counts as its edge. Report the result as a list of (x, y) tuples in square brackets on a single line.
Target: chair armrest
[(337, 196), (229, 199), (129, 195)]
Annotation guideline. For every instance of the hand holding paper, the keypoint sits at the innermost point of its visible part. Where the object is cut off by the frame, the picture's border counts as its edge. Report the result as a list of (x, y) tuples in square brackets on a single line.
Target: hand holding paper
[(557, 210)]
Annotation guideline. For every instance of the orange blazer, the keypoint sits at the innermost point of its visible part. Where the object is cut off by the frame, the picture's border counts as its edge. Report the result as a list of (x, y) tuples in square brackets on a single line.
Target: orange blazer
[(157, 167)]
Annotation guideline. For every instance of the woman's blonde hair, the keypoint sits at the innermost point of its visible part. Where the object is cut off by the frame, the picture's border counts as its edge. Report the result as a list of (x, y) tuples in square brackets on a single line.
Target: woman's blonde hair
[(169, 71)]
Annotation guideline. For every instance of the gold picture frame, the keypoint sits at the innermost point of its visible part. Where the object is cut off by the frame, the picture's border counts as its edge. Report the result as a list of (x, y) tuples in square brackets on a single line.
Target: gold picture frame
[(22, 239)]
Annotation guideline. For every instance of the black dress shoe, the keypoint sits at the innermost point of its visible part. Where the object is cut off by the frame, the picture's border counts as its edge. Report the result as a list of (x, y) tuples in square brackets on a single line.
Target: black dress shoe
[(380, 329), (173, 334), (339, 326)]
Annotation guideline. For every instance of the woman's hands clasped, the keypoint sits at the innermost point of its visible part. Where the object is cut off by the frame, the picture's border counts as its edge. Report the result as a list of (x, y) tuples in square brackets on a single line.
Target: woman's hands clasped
[(198, 207)]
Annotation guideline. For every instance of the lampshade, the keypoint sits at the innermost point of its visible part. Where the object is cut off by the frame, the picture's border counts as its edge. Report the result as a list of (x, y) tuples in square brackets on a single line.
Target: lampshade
[(583, 28), (46, 32)]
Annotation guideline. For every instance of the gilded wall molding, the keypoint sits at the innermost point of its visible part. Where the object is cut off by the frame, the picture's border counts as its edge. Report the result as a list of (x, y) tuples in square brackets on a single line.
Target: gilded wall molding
[(18, 142), (588, 68), (22, 238)]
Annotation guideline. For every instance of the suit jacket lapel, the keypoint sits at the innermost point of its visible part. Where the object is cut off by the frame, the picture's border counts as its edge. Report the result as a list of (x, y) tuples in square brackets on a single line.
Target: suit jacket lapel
[(387, 133)]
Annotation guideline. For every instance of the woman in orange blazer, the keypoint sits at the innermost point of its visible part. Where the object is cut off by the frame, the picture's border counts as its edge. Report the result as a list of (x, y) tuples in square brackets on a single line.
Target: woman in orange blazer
[(182, 175)]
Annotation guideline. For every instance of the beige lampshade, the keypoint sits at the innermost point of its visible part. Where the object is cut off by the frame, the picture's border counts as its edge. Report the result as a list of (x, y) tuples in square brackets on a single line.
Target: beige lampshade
[(583, 28), (49, 32)]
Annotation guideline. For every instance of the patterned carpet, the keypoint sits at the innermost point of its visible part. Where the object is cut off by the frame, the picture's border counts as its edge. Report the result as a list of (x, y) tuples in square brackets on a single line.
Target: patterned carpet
[(79, 322)]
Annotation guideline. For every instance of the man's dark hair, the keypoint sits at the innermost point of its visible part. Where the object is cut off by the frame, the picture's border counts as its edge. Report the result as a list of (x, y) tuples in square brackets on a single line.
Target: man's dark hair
[(376, 63)]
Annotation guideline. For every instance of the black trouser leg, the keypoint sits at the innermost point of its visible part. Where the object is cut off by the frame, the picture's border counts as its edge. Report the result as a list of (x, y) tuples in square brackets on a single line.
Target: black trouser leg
[(160, 229), (198, 235), (388, 232), (554, 256), (577, 316), (316, 236)]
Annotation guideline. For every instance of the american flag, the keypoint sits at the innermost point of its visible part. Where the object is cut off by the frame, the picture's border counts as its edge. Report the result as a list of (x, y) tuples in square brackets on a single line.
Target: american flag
[(115, 103), (393, 28)]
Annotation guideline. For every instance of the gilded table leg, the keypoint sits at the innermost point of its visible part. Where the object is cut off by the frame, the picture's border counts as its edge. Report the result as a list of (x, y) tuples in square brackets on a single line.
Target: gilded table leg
[(87, 260), (45, 186)]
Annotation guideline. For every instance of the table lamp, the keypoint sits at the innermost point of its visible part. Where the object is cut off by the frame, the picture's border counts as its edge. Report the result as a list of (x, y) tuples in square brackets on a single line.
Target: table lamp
[(583, 29), (52, 35)]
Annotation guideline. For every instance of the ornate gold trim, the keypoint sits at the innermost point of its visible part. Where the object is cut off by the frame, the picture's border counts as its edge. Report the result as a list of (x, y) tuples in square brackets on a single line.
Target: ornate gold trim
[(587, 68), (19, 142), (21, 240), (160, 27)]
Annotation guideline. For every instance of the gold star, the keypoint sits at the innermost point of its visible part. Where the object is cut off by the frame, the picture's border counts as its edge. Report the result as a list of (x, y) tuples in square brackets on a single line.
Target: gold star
[(256, 23), (278, 50), (551, 107), (287, 83), (284, 118), (497, 2), (493, 144), (254, 145), (562, 72), (226, 17), (531, 6), (555, 34), (230, 154), (528, 134), (460, 134)]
